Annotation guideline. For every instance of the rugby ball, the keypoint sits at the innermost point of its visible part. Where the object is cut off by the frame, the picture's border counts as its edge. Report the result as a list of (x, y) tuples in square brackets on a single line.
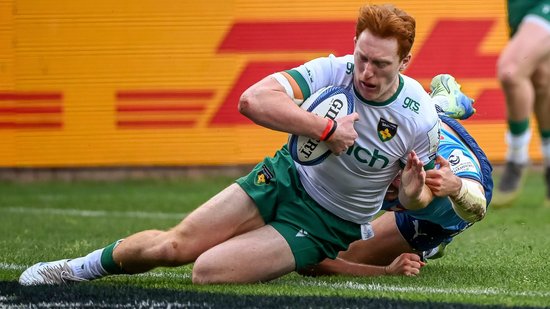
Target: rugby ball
[(329, 102)]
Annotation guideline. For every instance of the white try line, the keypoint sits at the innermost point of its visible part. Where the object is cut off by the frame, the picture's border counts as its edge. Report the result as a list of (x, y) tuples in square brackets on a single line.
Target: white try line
[(351, 285), (93, 213)]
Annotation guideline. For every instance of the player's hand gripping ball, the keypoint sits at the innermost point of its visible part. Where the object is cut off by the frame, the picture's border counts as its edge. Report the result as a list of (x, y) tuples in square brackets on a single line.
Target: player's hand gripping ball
[(330, 102)]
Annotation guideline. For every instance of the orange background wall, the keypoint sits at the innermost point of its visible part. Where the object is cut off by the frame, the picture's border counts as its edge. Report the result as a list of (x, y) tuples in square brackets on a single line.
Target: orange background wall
[(143, 82)]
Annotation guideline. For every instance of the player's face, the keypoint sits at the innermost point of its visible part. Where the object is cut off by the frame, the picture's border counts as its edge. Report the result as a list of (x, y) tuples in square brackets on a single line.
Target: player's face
[(377, 66)]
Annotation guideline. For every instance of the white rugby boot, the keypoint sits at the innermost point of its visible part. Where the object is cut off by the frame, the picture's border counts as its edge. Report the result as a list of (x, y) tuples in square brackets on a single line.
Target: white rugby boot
[(49, 273)]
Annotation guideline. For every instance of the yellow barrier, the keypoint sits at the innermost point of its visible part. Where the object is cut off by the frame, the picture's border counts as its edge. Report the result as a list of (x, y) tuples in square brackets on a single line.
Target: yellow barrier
[(106, 83)]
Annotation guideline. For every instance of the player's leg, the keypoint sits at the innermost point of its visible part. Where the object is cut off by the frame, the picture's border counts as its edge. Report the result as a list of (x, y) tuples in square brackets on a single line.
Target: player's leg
[(541, 80), (256, 256), (395, 234), (516, 66), (229, 213), (386, 245)]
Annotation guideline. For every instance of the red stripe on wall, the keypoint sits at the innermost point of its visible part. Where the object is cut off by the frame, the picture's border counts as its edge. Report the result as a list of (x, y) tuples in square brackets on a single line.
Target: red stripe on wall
[(156, 95), (30, 96), (329, 36), (159, 108), (155, 124)]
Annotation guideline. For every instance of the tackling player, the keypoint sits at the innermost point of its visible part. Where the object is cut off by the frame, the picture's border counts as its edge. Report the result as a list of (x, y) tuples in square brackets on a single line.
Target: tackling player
[(403, 238)]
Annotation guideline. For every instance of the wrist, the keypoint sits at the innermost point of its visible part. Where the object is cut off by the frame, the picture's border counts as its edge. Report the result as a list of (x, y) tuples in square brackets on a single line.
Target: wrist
[(330, 128), (461, 190)]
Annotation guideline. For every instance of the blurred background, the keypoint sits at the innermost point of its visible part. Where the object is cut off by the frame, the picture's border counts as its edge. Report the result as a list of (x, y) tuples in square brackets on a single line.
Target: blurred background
[(143, 83)]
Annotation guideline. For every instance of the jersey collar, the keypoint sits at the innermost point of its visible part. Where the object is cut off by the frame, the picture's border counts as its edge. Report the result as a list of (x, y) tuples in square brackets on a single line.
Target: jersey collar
[(388, 101)]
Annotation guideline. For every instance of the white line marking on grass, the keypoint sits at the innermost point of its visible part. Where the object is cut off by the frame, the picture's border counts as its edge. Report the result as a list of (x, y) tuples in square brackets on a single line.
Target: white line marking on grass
[(12, 266), (425, 290), (350, 285), (94, 213)]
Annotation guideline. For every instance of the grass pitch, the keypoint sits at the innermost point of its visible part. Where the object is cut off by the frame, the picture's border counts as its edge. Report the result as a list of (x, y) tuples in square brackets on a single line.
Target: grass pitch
[(499, 262)]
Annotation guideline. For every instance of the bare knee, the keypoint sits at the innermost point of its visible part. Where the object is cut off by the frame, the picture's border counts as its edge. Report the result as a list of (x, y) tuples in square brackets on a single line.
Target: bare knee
[(509, 72), (175, 248), (206, 271), (153, 248)]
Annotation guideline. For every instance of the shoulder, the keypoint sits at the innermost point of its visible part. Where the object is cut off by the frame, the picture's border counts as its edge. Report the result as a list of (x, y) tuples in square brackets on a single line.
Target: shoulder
[(331, 61)]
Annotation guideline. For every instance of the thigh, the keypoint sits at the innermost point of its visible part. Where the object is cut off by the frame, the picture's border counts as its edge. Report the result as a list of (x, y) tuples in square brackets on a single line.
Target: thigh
[(383, 248), (231, 212), (255, 256), (527, 49)]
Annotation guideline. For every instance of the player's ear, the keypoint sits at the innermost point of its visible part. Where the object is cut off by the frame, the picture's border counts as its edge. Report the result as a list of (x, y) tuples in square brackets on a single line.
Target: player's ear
[(405, 62)]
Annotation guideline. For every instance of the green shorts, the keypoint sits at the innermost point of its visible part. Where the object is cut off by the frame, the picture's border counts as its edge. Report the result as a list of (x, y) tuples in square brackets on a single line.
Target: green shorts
[(312, 232), (518, 9)]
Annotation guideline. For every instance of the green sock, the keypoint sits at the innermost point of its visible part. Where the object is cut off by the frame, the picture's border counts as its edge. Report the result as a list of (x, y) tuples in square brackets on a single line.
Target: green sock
[(518, 127), (107, 261), (544, 133)]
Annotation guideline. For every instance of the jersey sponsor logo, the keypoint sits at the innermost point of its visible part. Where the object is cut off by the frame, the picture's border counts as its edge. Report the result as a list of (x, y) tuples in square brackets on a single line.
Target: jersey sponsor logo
[(364, 155), (386, 130), (454, 160), (460, 162), (411, 104), (264, 176)]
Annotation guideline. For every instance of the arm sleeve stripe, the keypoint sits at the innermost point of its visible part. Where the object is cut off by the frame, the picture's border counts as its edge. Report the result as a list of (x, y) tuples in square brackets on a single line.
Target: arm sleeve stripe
[(294, 85), (302, 84), (283, 80)]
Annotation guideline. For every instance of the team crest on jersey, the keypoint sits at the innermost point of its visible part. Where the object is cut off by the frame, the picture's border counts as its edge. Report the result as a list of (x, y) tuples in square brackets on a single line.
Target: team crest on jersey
[(386, 130), (264, 176)]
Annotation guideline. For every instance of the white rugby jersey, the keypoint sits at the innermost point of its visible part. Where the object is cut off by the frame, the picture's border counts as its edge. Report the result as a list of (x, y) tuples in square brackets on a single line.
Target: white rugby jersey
[(353, 185)]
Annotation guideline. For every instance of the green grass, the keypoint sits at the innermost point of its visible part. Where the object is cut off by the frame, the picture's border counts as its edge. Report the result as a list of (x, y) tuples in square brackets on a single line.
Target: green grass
[(501, 261)]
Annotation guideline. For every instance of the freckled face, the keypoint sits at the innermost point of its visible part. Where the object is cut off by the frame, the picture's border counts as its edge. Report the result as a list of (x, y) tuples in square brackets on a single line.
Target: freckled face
[(377, 66)]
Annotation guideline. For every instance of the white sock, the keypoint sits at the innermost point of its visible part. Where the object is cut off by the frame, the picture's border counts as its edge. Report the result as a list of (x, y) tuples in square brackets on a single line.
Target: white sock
[(545, 145), (518, 147), (89, 266)]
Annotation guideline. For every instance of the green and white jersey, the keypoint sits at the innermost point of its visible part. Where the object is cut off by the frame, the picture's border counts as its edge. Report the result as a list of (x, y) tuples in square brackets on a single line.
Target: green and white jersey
[(353, 185)]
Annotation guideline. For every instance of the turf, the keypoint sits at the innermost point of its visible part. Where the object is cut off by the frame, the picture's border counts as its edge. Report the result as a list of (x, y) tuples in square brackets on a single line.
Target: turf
[(499, 262)]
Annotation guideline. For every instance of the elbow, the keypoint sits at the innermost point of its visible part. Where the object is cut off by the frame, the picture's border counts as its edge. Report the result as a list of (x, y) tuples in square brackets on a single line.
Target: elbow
[(248, 102)]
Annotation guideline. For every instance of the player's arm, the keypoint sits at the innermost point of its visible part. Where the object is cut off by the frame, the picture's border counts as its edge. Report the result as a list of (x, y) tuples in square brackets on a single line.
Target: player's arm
[(273, 103), (467, 196), (407, 264), (268, 104), (413, 192)]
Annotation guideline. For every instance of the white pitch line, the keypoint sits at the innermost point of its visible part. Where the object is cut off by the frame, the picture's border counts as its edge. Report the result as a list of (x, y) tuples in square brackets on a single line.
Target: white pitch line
[(350, 285), (8, 266), (426, 290), (93, 213)]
